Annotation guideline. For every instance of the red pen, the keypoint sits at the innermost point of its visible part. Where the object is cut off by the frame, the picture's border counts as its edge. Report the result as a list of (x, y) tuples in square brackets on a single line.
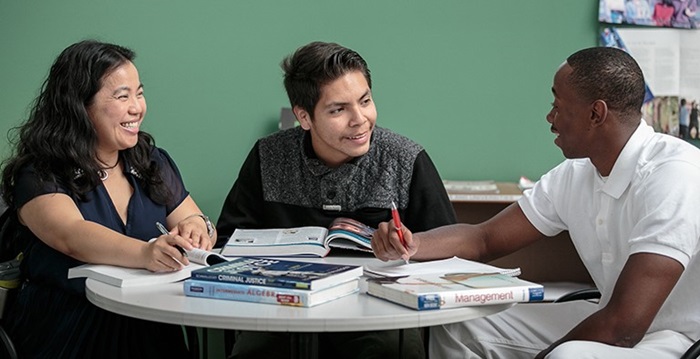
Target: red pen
[(397, 224)]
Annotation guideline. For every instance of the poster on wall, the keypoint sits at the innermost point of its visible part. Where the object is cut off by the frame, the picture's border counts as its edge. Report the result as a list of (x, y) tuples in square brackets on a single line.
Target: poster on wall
[(656, 13), (670, 61)]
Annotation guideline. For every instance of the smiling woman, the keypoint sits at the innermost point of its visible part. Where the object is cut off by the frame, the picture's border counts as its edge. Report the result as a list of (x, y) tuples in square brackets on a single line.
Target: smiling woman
[(116, 112), (88, 186)]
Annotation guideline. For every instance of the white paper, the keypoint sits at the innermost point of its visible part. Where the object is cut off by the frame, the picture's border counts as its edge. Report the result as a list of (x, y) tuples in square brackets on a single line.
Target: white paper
[(452, 265)]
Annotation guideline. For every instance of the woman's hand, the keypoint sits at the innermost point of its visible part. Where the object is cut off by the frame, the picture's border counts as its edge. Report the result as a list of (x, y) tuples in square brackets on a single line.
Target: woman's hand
[(195, 230), (187, 221), (166, 253)]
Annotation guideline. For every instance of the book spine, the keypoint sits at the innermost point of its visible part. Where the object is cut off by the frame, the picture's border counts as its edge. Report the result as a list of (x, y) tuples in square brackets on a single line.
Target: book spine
[(246, 293), (224, 277), (473, 297)]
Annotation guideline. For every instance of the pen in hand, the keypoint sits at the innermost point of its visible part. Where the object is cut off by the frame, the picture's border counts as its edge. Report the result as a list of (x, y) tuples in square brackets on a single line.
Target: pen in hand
[(164, 230), (397, 224)]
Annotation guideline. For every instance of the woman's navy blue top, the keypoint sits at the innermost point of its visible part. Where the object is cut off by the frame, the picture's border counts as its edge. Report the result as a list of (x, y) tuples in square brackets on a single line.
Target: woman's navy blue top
[(51, 317)]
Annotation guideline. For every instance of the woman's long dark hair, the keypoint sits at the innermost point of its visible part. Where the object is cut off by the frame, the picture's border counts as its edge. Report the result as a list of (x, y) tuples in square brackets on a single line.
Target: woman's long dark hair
[(59, 140)]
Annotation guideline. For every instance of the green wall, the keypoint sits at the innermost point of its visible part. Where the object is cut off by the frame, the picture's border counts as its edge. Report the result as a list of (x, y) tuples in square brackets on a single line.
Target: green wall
[(469, 80)]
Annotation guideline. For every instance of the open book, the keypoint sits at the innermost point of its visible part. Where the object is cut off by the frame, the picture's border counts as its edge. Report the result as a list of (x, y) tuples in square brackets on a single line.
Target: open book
[(300, 241)]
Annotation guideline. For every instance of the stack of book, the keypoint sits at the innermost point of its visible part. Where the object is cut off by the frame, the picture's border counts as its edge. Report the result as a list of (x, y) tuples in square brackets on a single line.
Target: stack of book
[(274, 281)]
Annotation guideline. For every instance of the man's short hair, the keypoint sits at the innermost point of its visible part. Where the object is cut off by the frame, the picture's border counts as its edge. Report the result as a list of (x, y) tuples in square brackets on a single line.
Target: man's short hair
[(611, 75), (317, 64)]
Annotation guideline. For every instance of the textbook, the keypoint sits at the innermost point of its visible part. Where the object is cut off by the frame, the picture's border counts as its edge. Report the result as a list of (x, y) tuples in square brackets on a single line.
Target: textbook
[(270, 272), (268, 295), (129, 277), (451, 290), (133, 277), (300, 241)]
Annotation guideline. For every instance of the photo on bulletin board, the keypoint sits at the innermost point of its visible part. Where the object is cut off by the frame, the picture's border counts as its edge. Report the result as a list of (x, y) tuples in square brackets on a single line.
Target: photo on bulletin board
[(656, 13), (671, 72)]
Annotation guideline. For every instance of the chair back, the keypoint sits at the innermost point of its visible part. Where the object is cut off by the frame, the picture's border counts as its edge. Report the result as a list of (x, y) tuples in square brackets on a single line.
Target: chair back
[(287, 118)]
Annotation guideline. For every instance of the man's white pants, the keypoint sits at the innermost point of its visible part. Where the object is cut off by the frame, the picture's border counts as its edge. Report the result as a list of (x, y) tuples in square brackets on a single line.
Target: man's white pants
[(526, 329)]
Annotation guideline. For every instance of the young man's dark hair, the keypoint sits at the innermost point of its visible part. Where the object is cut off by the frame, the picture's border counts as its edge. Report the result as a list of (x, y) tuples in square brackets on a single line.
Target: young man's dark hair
[(315, 65)]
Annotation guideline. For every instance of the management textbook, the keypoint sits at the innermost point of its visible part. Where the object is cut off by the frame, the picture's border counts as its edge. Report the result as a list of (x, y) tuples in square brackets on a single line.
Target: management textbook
[(451, 290)]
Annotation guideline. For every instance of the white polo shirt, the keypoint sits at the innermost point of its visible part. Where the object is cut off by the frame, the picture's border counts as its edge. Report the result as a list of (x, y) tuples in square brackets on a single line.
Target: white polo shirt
[(649, 203)]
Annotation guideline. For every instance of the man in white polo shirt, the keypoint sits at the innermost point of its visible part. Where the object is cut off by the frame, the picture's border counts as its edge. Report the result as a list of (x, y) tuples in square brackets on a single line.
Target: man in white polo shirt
[(630, 199)]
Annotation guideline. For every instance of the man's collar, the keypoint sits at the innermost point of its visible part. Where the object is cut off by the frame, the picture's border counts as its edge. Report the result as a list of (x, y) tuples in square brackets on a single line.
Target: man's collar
[(626, 163)]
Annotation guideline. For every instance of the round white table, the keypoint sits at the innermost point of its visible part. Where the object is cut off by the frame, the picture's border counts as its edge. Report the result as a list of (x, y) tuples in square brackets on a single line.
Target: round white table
[(357, 312), (167, 303)]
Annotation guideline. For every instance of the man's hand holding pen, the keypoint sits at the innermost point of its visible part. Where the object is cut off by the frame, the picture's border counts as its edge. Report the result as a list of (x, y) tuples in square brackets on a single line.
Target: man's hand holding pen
[(387, 244)]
